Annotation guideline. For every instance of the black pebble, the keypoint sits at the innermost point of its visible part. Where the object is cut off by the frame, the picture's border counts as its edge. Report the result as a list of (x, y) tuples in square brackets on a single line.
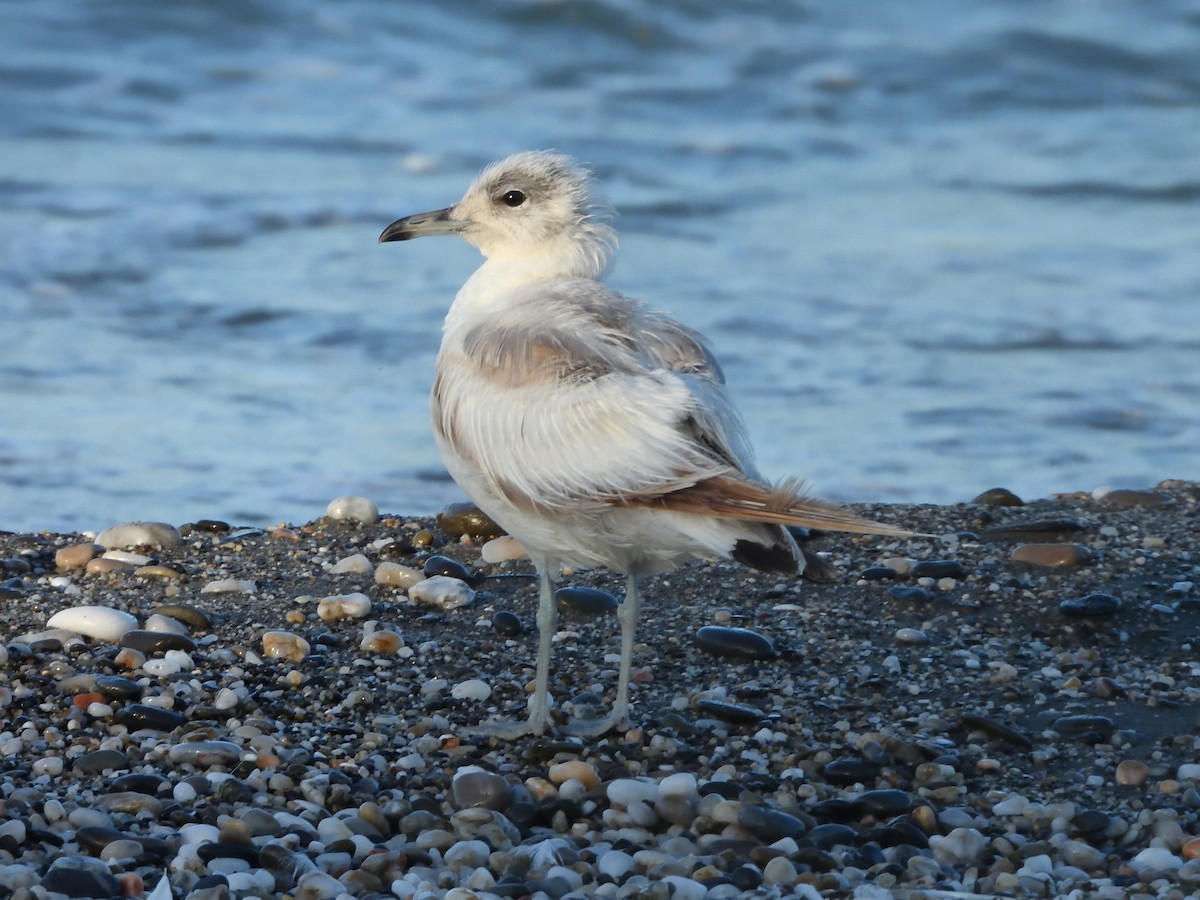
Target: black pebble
[(117, 687), (768, 824), (507, 624), (1075, 726), (909, 594), (998, 497), (78, 882), (444, 565), (737, 713), (156, 641), (1091, 606), (831, 834), (585, 601), (139, 783), (850, 771), (878, 573), (938, 568), (884, 802), (139, 716), (740, 642)]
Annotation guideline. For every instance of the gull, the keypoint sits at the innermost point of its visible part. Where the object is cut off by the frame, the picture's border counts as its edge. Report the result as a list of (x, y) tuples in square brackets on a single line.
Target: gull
[(596, 431)]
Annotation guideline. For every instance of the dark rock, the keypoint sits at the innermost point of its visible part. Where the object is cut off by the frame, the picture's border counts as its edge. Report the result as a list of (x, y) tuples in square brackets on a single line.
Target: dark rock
[(138, 716), (75, 878), (117, 687), (1036, 531), (458, 519), (735, 713), (770, 825), (739, 642), (99, 761), (832, 834), (444, 565), (995, 729), (584, 601), (140, 783), (507, 624), (480, 789), (879, 573), (998, 497), (938, 568), (228, 850), (909, 594), (835, 809), (212, 526), (1093, 606), (1127, 499), (193, 618), (1090, 822), (884, 802), (1052, 556), (849, 770), (1079, 726), (150, 642)]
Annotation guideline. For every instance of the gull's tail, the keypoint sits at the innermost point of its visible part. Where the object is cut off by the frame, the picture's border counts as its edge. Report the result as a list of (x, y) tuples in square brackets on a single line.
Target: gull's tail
[(787, 503)]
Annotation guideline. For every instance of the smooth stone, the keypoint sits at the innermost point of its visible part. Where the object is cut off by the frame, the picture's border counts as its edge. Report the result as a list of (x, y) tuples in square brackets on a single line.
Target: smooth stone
[(355, 564), (211, 526), (140, 534), (1075, 726), (94, 838), (450, 568), (392, 574), (884, 802), (131, 802), (475, 787), (77, 556), (103, 565), (193, 618), (141, 783), (737, 642), (442, 591), (1131, 772), (1188, 772), (502, 549), (998, 497), (768, 824), (164, 624), (848, 770), (909, 594), (832, 834), (1052, 556), (585, 601), (352, 509), (139, 716), (734, 713), (911, 636), (1091, 606), (1035, 531), (285, 645), (878, 573), (81, 876), (575, 770), (938, 568), (96, 762), (205, 754), (229, 586), (995, 729), (158, 571), (1123, 498), (961, 847), (100, 622), (472, 689), (467, 519), (157, 641), (344, 606), (1091, 822), (130, 559), (507, 624), (117, 687), (382, 641)]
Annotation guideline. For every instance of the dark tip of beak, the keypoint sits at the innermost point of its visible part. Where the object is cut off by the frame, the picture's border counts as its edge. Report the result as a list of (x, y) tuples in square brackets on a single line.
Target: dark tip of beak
[(436, 222), (397, 231)]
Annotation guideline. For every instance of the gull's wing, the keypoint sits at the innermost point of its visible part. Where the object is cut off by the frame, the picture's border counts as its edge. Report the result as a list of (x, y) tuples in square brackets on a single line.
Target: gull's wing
[(572, 396)]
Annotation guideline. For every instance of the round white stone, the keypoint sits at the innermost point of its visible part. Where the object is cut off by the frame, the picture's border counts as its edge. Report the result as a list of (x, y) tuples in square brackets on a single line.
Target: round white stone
[(443, 591), (471, 689), (139, 534), (100, 622), (352, 509)]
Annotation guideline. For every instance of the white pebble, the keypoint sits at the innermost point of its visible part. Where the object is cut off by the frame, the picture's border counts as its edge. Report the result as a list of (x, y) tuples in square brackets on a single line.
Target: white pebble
[(627, 791), (961, 847), (100, 622), (1188, 772), (183, 792), (139, 534), (48, 765), (357, 564), (1010, 806), (165, 625), (680, 786), (344, 606), (1155, 859), (229, 586), (779, 870), (911, 636), (161, 668), (226, 698), (395, 575), (352, 509), (615, 864), (471, 689), (99, 710), (125, 556), (502, 549), (684, 888), (443, 591)]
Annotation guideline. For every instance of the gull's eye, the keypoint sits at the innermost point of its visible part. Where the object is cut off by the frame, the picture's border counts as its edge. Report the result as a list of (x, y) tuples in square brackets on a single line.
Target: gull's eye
[(513, 198)]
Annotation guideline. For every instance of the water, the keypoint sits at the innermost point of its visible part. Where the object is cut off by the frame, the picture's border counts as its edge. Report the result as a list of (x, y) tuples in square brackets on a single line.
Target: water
[(939, 247)]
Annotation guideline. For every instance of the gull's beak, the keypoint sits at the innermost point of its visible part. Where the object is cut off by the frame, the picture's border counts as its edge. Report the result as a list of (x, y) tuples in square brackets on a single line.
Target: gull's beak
[(440, 221)]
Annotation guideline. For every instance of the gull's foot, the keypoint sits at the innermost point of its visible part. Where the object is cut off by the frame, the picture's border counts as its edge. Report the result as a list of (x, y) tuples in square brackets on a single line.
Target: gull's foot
[(593, 728), (505, 729)]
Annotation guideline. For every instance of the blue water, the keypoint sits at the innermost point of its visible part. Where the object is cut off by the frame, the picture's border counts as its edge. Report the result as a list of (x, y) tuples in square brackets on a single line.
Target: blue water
[(939, 247)]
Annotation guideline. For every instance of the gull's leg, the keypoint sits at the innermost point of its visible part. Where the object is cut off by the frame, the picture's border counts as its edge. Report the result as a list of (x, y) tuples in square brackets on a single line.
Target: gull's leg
[(539, 708), (628, 617), (547, 619)]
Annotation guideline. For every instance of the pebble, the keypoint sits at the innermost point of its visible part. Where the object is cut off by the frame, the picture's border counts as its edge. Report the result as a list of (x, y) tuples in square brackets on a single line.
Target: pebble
[(770, 825), (938, 568), (1052, 556), (1128, 499), (205, 754), (393, 574), (382, 641), (442, 591), (157, 641), (97, 762), (159, 622), (961, 847), (576, 770), (909, 594), (132, 535), (998, 497), (735, 642), (352, 509), (1035, 531), (1132, 772), (507, 624), (502, 549), (584, 601), (355, 564), (1092, 606), (103, 565), (193, 618), (77, 556), (285, 645), (100, 622), (911, 636), (474, 787), (459, 520), (344, 606), (137, 716), (230, 586), (475, 689)]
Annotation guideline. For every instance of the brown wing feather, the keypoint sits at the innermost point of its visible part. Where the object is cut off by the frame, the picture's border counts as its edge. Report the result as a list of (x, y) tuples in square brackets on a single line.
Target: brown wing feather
[(727, 497)]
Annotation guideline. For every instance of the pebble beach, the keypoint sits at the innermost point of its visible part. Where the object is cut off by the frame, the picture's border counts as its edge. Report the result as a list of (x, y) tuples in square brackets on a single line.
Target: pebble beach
[(1007, 708)]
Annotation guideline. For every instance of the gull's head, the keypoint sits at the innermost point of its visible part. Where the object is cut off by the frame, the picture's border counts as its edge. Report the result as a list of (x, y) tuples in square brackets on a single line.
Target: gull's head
[(537, 207)]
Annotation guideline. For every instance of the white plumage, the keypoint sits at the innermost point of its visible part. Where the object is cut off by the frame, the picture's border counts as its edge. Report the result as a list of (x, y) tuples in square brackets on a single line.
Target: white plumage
[(595, 431)]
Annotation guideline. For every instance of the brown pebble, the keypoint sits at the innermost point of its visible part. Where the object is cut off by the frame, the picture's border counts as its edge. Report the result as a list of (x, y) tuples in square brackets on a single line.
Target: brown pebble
[(1191, 850), (382, 641), (998, 497), (164, 572), (578, 770), (83, 701), (925, 818), (76, 556), (284, 645), (1131, 771), (1106, 688), (1055, 556), (102, 566), (1125, 499)]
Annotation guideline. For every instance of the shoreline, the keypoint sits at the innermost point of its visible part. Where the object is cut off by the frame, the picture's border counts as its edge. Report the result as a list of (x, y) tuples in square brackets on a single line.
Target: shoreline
[(953, 728)]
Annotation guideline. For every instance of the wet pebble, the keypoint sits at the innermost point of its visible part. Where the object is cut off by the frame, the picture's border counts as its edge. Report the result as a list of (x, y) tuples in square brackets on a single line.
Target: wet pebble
[(909, 594), (343, 606), (77, 556), (466, 519), (1077, 726), (848, 770), (205, 754), (285, 645), (1052, 556), (1034, 531), (998, 497), (585, 601), (1091, 606), (450, 568), (735, 713), (195, 619), (96, 762), (157, 641), (442, 591), (507, 624), (138, 716), (352, 509), (735, 642), (938, 569), (80, 876), (393, 574)]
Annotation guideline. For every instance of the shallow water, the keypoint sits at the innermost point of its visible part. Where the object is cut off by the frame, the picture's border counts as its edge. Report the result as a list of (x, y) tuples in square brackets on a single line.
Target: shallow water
[(938, 248)]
